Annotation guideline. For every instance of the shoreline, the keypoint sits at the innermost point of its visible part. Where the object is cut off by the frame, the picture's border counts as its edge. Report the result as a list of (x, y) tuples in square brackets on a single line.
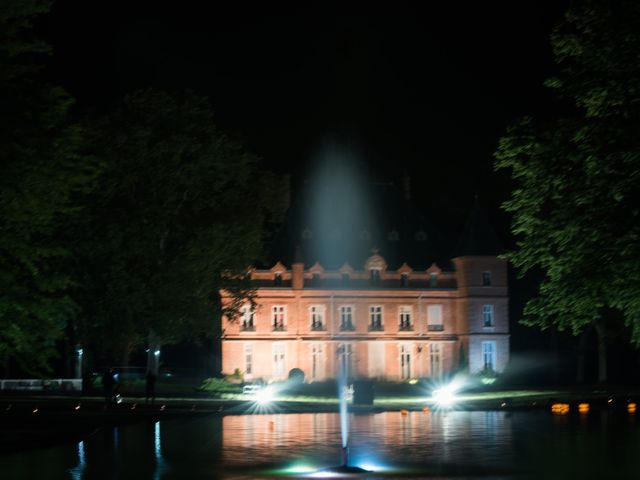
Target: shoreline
[(30, 422)]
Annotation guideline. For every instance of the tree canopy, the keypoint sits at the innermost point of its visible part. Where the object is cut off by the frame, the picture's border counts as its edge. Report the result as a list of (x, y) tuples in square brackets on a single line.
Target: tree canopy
[(179, 202), (42, 171), (576, 200)]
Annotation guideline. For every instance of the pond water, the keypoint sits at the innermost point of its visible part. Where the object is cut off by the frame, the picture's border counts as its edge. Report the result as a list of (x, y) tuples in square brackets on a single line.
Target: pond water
[(453, 444)]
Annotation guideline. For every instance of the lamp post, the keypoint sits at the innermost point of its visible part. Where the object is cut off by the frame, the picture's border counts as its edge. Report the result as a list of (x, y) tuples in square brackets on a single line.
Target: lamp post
[(78, 369)]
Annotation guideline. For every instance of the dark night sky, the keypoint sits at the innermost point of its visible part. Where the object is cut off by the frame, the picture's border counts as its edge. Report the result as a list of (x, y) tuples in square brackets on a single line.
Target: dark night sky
[(423, 89), (426, 89)]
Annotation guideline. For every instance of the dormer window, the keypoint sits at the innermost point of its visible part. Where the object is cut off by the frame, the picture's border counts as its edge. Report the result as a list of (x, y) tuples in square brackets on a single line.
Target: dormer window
[(315, 280), (404, 280), (345, 279), (375, 277), (433, 280), (486, 278), (277, 279), (420, 236)]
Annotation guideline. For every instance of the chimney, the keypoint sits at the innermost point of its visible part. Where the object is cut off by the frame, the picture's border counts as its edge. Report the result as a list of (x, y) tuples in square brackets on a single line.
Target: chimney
[(297, 270)]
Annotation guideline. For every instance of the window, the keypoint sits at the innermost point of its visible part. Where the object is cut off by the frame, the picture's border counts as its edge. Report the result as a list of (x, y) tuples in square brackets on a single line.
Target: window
[(345, 279), (404, 280), (317, 362), (315, 280), (246, 317), (433, 280), (375, 318), (434, 318), (346, 318), (487, 315), (277, 279), (248, 359), (375, 277), (405, 362), (317, 317), (279, 360), (486, 278), (279, 318), (405, 318), (345, 360), (489, 356), (435, 360)]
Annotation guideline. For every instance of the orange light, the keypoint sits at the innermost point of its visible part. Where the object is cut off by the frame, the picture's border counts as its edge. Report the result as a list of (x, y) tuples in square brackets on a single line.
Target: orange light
[(631, 407), (425, 410), (560, 408), (404, 412), (583, 407)]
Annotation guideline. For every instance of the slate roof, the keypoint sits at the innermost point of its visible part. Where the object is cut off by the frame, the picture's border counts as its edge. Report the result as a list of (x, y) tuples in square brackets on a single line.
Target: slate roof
[(478, 238), (330, 226)]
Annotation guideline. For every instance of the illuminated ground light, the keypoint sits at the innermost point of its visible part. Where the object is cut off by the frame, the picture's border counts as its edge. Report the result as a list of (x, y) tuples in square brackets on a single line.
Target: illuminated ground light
[(560, 408), (299, 469), (265, 396), (444, 396)]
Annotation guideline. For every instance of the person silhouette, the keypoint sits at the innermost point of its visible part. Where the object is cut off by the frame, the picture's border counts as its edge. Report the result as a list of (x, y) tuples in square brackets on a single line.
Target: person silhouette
[(151, 386)]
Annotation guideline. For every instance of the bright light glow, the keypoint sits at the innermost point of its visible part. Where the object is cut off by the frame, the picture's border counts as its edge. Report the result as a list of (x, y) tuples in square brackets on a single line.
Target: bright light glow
[(265, 396), (487, 380), (371, 467), (156, 353), (299, 468), (325, 475), (445, 396), (80, 352)]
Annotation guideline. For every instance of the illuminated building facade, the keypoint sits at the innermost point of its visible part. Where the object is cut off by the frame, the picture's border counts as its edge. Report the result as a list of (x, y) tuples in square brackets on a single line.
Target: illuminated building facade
[(375, 322)]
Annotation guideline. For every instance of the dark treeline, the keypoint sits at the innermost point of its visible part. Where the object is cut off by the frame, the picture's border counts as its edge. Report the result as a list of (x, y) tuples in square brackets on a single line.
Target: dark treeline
[(115, 228)]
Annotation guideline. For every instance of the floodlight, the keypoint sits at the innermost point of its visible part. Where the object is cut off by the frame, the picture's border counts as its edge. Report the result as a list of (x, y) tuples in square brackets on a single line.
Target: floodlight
[(444, 396), (264, 396)]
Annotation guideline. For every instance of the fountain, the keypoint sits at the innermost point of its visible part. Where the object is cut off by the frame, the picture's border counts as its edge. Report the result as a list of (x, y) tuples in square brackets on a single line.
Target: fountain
[(344, 467)]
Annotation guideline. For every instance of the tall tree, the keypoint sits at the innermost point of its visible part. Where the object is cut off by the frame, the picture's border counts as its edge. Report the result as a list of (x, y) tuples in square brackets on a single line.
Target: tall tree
[(575, 205), (179, 203), (41, 173)]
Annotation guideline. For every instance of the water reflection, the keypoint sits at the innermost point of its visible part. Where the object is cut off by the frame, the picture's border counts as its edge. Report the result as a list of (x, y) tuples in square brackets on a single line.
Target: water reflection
[(78, 471), (441, 444), (160, 465)]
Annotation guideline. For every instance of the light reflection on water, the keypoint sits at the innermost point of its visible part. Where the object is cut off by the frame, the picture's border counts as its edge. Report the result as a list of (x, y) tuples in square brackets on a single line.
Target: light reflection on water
[(435, 445)]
